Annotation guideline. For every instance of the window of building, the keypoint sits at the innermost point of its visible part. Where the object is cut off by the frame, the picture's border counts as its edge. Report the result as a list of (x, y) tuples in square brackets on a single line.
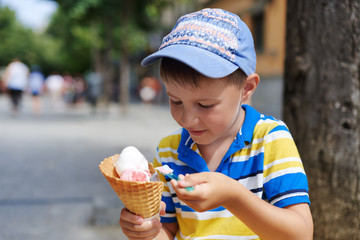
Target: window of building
[(258, 20)]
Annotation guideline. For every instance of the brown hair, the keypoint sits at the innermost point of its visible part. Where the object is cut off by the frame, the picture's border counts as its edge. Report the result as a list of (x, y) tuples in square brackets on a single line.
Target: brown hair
[(173, 70)]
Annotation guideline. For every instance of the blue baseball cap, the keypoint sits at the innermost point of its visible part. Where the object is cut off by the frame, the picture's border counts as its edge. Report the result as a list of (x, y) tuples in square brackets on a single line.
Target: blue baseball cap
[(214, 42)]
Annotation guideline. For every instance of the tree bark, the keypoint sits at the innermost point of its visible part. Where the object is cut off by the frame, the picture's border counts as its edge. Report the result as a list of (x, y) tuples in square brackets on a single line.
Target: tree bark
[(125, 68), (102, 60), (322, 108), (124, 82)]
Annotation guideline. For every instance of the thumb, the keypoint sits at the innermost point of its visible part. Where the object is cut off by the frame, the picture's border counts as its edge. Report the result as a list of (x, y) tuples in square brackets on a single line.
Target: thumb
[(162, 208)]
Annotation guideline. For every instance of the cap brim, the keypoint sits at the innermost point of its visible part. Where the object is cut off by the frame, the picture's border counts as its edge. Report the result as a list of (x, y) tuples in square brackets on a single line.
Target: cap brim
[(203, 61)]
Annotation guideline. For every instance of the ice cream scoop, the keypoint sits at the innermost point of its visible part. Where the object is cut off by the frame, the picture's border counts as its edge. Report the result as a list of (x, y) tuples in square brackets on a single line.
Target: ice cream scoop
[(132, 165)]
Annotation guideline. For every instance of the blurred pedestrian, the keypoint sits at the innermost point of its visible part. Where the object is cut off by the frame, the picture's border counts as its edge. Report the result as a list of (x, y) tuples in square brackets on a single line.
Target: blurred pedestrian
[(15, 81), (150, 87), (36, 87), (93, 88), (79, 87), (55, 86), (69, 89)]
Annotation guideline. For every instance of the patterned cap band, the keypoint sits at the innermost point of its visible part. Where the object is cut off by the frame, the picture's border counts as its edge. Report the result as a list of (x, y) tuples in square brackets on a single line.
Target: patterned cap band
[(212, 41), (213, 30)]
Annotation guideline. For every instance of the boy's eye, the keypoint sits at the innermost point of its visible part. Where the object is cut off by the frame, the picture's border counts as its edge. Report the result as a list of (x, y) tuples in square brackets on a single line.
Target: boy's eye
[(176, 102), (205, 106)]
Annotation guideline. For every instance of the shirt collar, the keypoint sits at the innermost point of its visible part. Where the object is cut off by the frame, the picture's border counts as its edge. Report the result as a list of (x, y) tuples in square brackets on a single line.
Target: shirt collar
[(251, 118), (188, 155)]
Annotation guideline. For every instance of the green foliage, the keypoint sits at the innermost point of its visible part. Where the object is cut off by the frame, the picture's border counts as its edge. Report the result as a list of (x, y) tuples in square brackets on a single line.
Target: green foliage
[(118, 26), (72, 43), (22, 43), (16, 41), (114, 28), (7, 18)]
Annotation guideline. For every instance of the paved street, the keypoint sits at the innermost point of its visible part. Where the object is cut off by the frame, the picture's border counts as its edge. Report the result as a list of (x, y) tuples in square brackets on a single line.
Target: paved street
[(50, 184)]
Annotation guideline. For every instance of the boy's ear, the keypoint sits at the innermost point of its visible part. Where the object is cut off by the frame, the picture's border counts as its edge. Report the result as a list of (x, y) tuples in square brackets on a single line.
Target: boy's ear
[(250, 85)]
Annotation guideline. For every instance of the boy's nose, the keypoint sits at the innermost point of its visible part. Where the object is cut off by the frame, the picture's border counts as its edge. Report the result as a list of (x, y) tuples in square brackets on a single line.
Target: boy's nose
[(189, 119)]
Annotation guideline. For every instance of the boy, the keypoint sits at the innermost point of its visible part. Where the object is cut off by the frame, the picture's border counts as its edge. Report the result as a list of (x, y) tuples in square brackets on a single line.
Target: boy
[(249, 182)]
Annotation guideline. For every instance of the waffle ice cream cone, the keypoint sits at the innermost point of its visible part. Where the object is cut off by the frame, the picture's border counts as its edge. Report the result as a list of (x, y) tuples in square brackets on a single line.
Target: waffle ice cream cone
[(141, 198)]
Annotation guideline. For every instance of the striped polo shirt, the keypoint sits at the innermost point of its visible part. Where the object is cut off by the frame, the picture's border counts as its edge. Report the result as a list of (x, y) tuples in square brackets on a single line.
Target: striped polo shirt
[(263, 158)]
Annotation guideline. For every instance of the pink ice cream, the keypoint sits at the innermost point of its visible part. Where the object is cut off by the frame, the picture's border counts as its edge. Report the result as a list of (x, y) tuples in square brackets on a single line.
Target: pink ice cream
[(132, 165), (135, 175)]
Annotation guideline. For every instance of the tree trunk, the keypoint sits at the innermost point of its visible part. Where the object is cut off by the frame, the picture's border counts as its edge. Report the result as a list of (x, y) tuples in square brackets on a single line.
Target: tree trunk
[(322, 108), (102, 61), (124, 82), (125, 68)]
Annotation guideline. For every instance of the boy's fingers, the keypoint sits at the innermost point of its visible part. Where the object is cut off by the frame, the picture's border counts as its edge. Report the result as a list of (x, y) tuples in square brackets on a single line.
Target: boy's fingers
[(192, 180), (147, 230), (128, 216), (181, 177)]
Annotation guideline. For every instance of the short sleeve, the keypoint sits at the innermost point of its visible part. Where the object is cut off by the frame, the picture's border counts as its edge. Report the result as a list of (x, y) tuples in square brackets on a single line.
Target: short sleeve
[(285, 180)]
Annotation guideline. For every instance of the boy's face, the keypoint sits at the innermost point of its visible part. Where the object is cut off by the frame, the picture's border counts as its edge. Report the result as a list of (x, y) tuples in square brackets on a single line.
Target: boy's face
[(211, 113)]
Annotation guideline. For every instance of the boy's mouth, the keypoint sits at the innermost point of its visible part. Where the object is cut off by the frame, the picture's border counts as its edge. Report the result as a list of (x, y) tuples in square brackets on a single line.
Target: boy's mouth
[(196, 132)]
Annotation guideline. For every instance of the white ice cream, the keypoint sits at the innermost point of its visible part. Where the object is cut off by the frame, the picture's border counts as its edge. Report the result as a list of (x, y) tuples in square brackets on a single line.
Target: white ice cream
[(131, 158)]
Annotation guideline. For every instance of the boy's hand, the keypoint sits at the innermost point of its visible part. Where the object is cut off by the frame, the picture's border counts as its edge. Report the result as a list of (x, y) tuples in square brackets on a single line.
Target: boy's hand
[(135, 227), (211, 190)]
